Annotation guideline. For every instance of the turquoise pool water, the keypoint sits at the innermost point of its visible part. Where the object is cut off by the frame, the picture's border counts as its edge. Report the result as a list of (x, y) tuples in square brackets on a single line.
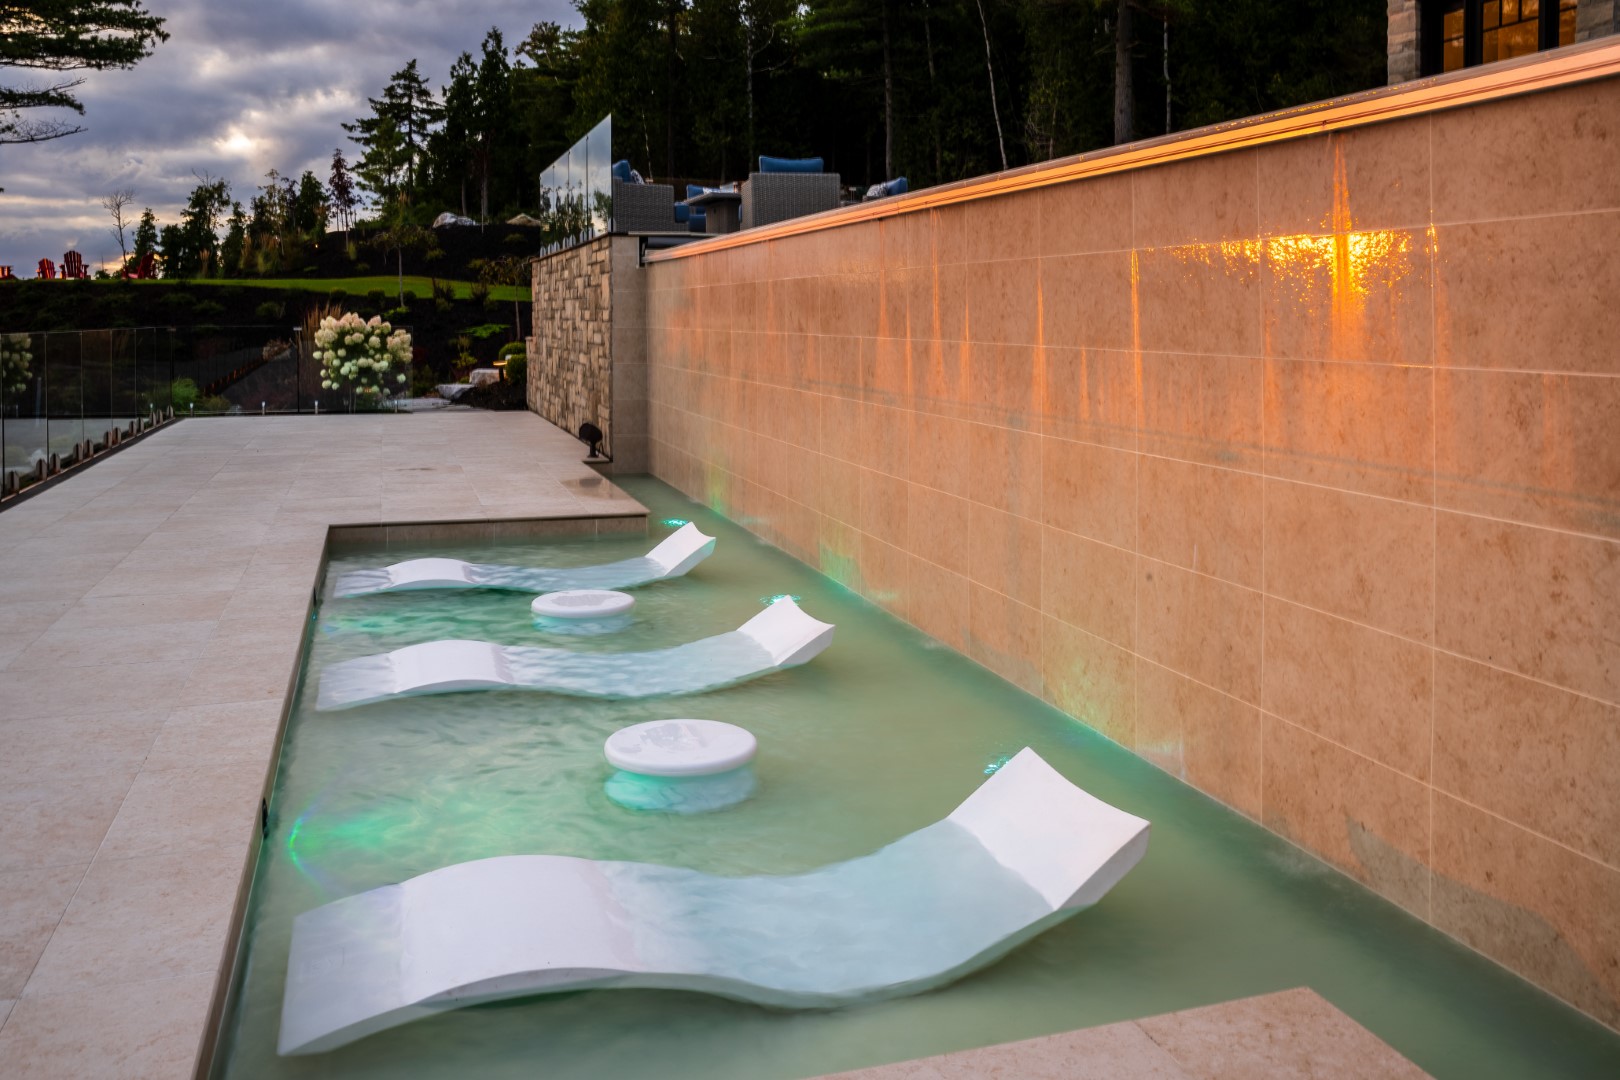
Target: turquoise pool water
[(882, 734)]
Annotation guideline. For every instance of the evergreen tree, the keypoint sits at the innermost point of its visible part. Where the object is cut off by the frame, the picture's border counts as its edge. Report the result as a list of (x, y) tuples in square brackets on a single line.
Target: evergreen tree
[(63, 36), (146, 238), (399, 126), (492, 123), (172, 252), (199, 228), (233, 252), (450, 149), (309, 206), (340, 184)]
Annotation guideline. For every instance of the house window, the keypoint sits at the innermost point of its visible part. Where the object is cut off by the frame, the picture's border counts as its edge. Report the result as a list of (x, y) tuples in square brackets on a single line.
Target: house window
[(1462, 33)]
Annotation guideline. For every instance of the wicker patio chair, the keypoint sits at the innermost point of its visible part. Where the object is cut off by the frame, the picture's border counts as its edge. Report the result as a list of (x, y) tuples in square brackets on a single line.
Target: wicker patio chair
[(778, 196), (643, 208)]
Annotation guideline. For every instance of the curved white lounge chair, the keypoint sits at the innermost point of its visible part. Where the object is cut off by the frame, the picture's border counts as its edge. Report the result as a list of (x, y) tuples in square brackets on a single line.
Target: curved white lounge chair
[(1024, 852), (679, 552), (780, 636)]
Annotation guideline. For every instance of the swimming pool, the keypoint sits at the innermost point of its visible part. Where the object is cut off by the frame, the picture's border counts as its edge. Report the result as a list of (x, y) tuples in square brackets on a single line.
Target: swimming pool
[(881, 735)]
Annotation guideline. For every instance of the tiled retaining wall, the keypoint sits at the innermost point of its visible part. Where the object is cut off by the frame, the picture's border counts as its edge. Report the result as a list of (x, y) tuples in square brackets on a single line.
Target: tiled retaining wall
[(1296, 469), (587, 354)]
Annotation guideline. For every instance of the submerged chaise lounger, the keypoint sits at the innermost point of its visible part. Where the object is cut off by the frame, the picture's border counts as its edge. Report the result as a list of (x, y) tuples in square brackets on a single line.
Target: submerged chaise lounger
[(1025, 851), (780, 636), (679, 552)]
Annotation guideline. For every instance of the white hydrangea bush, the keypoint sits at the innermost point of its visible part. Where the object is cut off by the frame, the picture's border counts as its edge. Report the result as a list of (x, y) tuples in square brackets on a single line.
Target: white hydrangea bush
[(16, 362), (365, 357)]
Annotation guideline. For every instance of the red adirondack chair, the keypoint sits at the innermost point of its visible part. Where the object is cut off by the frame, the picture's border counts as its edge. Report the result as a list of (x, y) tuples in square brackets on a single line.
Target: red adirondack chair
[(6, 274), (47, 269), (73, 266)]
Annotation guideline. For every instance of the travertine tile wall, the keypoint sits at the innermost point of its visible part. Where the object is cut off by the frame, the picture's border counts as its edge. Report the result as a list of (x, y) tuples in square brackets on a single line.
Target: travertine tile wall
[(1296, 469)]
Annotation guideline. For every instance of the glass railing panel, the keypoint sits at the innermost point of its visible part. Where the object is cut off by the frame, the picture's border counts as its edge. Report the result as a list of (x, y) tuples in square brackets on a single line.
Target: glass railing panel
[(22, 401)]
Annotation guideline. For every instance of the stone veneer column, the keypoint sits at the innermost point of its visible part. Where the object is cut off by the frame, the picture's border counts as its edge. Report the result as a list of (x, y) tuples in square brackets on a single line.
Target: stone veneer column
[(570, 354), (1404, 60), (1595, 19)]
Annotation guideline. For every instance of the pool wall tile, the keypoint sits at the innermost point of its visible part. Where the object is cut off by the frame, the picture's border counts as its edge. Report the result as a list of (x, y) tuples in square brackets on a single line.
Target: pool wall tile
[(1089, 678), (1529, 295), (1556, 775), (1529, 903), (1536, 447), (1201, 626), (1355, 427), (1542, 603), (1370, 821), (1201, 518), (1361, 558), (1303, 453), (1089, 490), (1362, 688), (1210, 739), (1370, 178)]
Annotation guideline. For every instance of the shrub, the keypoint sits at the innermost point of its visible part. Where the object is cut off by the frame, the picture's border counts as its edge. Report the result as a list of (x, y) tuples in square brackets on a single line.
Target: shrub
[(337, 296), (362, 268), (480, 294), (442, 306), (433, 254), (310, 271), (214, 405), (517, 362), (377, 297), (209, 307), (442, 290), (516, 239), (398, 313), (364, 358), (180, 300), (269, 310), (410, 297), (183, 395)]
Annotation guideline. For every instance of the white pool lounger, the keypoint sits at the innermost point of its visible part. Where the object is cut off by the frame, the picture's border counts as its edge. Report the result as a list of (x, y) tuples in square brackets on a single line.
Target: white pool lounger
[(781, 636), (1025, 851), (678, 553)]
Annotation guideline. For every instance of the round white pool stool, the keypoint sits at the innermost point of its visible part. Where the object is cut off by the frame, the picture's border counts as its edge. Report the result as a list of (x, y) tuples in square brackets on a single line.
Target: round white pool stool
[(680, 748), (583, 604), (680, 766)]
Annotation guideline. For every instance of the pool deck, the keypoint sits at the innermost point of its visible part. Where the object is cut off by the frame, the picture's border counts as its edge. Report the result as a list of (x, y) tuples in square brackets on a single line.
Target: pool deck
[(151, 616), (1290, 1035)]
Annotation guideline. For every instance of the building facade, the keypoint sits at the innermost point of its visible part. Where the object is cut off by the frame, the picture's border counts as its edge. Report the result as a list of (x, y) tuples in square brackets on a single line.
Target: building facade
[(1431, 37)]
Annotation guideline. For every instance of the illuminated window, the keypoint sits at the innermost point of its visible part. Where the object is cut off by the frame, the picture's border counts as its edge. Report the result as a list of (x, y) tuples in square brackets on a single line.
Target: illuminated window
[(1462, 33)]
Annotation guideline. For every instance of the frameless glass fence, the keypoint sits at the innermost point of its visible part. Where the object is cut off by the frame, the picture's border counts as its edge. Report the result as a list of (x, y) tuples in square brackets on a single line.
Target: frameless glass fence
[(576, 190), (61, 390)]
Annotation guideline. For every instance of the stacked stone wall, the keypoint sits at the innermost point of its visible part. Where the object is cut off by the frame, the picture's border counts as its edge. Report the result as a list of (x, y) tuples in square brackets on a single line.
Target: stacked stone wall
[(571, 352)]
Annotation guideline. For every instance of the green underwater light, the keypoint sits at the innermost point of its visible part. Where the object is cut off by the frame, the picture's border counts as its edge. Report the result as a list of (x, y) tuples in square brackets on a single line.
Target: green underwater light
[(676, 523)]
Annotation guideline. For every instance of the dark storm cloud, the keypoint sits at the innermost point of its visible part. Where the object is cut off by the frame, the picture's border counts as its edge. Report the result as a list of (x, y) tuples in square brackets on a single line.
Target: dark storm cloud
[(240, 88)]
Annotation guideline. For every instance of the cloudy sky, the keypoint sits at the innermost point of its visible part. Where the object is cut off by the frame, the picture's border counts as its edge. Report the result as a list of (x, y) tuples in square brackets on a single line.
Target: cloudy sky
[(241, 87)]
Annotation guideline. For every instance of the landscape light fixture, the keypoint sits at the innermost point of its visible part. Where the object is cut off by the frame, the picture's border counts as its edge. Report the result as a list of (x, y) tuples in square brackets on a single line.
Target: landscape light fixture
[(591, 436)]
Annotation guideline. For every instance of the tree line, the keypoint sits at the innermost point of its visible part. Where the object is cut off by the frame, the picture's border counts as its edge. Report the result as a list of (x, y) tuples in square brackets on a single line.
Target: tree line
[(935, 90)]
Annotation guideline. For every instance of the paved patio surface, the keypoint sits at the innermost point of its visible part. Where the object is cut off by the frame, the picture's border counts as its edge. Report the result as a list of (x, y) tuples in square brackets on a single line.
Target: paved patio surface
[(151, 613), (1292, 1035)]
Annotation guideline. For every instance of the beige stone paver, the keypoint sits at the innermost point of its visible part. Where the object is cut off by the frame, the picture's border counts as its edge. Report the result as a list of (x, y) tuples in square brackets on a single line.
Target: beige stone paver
[(151, 615), (1291, 1035)]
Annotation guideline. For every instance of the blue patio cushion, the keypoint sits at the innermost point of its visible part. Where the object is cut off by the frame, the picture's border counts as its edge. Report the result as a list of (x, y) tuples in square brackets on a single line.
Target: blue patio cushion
[(681, 212), (622, 172), (897, 186), (794, 165)]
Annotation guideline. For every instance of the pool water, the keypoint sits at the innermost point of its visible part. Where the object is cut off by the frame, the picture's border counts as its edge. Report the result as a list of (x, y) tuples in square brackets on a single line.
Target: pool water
[(881, 735)]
